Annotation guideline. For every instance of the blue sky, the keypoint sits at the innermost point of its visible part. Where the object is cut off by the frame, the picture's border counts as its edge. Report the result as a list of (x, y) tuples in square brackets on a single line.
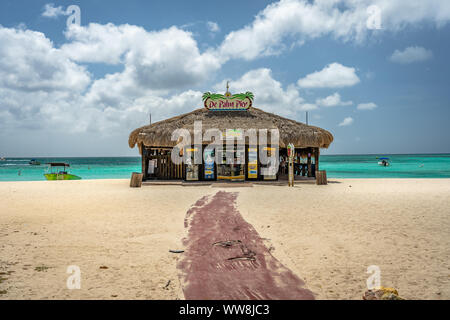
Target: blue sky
[(80, 90)]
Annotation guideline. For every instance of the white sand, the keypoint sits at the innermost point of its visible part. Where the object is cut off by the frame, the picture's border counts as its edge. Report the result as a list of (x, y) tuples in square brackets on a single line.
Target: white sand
[(328, 235)]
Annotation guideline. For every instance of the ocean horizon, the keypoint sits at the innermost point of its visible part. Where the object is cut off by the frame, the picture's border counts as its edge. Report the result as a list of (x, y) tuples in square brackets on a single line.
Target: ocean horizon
[(337, 166)]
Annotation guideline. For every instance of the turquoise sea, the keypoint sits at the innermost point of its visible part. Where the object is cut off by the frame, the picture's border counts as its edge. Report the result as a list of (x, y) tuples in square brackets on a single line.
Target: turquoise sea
[(337, 166)]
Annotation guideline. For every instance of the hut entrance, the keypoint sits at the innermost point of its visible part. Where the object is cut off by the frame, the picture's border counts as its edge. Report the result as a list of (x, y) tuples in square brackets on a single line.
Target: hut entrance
[(270, 169), (231, 166), (304, 166)]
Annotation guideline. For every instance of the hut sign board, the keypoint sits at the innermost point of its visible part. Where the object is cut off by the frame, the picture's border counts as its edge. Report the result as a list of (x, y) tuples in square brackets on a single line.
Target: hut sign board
[(228, 101)]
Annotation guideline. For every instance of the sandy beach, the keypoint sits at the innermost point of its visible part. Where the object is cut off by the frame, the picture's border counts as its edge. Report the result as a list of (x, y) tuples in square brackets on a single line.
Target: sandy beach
[(121, 237)]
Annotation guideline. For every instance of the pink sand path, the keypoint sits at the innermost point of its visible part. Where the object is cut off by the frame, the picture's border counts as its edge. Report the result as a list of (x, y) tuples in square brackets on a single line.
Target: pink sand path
[(226, 259)]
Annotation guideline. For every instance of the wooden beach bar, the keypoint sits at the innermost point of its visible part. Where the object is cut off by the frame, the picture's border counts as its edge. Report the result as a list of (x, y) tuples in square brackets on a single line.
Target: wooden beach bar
[(233, 116)]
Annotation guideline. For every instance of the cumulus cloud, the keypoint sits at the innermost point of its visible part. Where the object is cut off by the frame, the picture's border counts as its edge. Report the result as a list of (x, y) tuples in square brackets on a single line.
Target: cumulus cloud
[(366, 106), (212, 26), (346, 122), (169, 58), (29, 62), (334, 75), (41, 86), (269, 93), (126, 113), (410, 55), (333, 101), (50, 11), (44, 85), (297, 21), (307, 107)]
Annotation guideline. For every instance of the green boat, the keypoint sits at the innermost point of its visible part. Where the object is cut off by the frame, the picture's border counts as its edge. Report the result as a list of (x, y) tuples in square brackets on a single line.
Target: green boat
[(58, 174)]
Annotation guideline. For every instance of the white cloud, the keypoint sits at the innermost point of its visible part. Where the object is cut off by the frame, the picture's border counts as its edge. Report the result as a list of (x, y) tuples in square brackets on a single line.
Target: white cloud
[(346, 122), (44, 85), (29, 62), (165, 107), (40, 87), (98, 43), (334, 75), (269, 93), (123, 113), (410, 55), (165, 59), (308, 107), (366, 106), (333, 101), (50, 11), (213, 26), (297, 21)]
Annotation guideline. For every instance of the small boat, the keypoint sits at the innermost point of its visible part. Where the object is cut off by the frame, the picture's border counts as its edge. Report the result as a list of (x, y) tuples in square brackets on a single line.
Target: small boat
[(384, 162), (60, 174), (34, 162), (2, 159)]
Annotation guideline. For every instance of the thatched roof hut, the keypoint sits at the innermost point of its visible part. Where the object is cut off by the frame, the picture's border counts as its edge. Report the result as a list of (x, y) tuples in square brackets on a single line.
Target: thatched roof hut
[(301, 135)]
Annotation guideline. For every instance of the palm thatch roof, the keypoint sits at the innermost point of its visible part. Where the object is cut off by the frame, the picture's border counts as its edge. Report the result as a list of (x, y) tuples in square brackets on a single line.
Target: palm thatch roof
[(301, 135)]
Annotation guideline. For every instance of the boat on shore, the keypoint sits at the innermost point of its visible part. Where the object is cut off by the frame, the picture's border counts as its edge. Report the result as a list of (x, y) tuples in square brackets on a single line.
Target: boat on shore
[(58, 174)]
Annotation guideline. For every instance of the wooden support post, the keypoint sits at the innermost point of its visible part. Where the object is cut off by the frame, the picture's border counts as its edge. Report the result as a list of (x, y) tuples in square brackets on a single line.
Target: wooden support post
[(309, 164), (136, 180), (321, 177), (316, 158), (143, 166), (291, 154), (142, 158), (291, 177)]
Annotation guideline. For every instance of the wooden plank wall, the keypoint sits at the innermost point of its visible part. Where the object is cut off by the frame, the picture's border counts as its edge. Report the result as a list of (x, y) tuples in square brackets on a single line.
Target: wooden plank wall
[(166, 169)]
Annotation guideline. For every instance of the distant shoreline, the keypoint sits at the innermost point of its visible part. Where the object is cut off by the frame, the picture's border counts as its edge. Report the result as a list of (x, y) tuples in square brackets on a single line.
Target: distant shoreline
[(409, 166), (201, 183), (322, 155)]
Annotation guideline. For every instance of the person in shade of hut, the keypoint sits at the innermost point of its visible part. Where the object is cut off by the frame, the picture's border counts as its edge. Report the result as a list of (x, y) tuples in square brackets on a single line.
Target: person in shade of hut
[(283, 165)]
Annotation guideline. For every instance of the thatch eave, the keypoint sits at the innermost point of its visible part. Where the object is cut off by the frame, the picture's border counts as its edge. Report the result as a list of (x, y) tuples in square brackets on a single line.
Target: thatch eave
[(301, 135)]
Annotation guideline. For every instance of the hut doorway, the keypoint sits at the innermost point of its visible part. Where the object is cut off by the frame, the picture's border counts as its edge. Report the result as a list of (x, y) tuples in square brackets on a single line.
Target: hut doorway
[(192, 169), (231, 163), (270, 169)]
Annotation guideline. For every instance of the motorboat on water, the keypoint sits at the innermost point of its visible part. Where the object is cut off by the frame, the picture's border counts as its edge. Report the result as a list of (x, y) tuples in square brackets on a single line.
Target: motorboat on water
[(2, 159), (384, 162), (34, 162), (58, 174)]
